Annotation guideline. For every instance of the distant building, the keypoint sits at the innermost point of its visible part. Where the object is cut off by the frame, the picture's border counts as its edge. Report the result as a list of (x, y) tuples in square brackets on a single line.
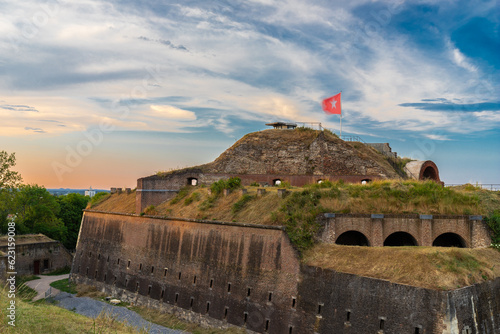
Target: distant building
[(35, 254), (90, 192)]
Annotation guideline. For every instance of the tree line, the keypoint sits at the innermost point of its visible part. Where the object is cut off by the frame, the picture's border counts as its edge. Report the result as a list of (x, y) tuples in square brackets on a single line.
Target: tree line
[(35, 210)]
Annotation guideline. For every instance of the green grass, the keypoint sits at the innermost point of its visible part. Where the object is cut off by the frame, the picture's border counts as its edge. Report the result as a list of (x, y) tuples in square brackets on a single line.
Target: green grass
[(180, 195), (193, 198), (42, 317), (64, 285), (171, 321)]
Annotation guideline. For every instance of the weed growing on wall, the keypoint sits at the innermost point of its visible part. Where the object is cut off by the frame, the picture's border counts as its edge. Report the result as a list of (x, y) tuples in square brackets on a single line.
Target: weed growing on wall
[(298, 214), (493, 222)]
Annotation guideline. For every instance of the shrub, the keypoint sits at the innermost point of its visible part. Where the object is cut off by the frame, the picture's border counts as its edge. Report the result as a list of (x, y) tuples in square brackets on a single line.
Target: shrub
[(240, 204), (493, 222), (231, 184), (298, 214)]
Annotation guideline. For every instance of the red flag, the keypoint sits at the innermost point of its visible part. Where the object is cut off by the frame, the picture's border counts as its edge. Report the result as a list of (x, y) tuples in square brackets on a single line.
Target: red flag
[(331, 105)]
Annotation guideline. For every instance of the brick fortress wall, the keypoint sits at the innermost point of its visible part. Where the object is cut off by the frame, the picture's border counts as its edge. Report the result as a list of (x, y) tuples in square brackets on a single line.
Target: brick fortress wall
[(250, 276)]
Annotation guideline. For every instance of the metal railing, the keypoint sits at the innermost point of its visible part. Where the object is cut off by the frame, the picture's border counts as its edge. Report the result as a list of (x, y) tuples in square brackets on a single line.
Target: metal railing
[(487, 186), (353, 138)]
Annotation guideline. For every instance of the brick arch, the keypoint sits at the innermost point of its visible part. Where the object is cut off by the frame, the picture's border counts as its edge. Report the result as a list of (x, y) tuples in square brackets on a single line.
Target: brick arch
[(357, 224), (400, 238), (410, 225), (458, 225), (423, 170), (352, 238), (449, 239)]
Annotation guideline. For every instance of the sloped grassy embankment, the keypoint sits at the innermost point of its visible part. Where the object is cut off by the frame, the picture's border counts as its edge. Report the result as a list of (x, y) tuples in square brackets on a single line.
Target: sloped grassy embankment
[(438, 268)]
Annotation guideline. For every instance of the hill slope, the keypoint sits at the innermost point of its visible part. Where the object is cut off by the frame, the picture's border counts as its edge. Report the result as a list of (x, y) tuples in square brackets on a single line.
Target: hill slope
[(301, 151)]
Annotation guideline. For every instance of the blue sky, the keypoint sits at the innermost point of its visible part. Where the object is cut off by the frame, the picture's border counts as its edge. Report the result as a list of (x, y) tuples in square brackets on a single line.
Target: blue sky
[(100, 93)]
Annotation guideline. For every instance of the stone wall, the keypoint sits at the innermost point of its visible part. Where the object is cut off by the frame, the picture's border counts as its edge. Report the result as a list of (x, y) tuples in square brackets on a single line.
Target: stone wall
[(50, 256), (153, 190), (335, 302), (235, 273), (224, 274), (423, 228)]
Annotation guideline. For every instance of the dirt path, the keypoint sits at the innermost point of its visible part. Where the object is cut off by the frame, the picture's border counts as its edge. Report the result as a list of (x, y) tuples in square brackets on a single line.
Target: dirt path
[(42, 285)]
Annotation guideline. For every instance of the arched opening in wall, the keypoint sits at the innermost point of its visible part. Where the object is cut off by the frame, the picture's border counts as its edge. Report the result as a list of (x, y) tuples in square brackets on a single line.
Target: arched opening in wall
[(429, 174), (365, 181), (320, 181), (352, 238), (277, 182), (400, 239), (192, 181), (449, 240)]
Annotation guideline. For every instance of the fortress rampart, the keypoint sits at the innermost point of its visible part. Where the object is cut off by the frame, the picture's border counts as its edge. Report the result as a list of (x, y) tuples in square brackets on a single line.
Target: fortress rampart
[(251, 276)]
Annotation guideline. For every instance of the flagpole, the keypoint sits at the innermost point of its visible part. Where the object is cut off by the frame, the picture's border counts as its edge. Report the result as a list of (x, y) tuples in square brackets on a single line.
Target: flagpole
[(341, 116)]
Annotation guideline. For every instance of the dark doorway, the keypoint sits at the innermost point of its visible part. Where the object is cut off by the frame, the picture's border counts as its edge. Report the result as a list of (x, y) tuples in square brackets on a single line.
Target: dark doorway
[(429, 173), (45, 264), (192, 181), (449, 240), (352, 238), (400, 239), (36, 266)]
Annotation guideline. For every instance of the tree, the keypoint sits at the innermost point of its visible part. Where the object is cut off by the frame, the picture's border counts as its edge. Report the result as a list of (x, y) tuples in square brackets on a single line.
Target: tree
[(8, 178), (36, 212), (71, 213)]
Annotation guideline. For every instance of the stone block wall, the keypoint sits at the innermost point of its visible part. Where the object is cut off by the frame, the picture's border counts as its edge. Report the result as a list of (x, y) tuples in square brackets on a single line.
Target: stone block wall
[(49, 255), (335, 302)]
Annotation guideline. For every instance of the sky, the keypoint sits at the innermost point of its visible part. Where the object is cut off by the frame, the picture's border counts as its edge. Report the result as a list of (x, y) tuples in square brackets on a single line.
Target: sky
[(101, 93)]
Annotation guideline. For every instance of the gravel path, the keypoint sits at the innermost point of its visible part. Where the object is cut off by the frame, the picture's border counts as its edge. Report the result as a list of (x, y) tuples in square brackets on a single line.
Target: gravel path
[(92, 308)]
